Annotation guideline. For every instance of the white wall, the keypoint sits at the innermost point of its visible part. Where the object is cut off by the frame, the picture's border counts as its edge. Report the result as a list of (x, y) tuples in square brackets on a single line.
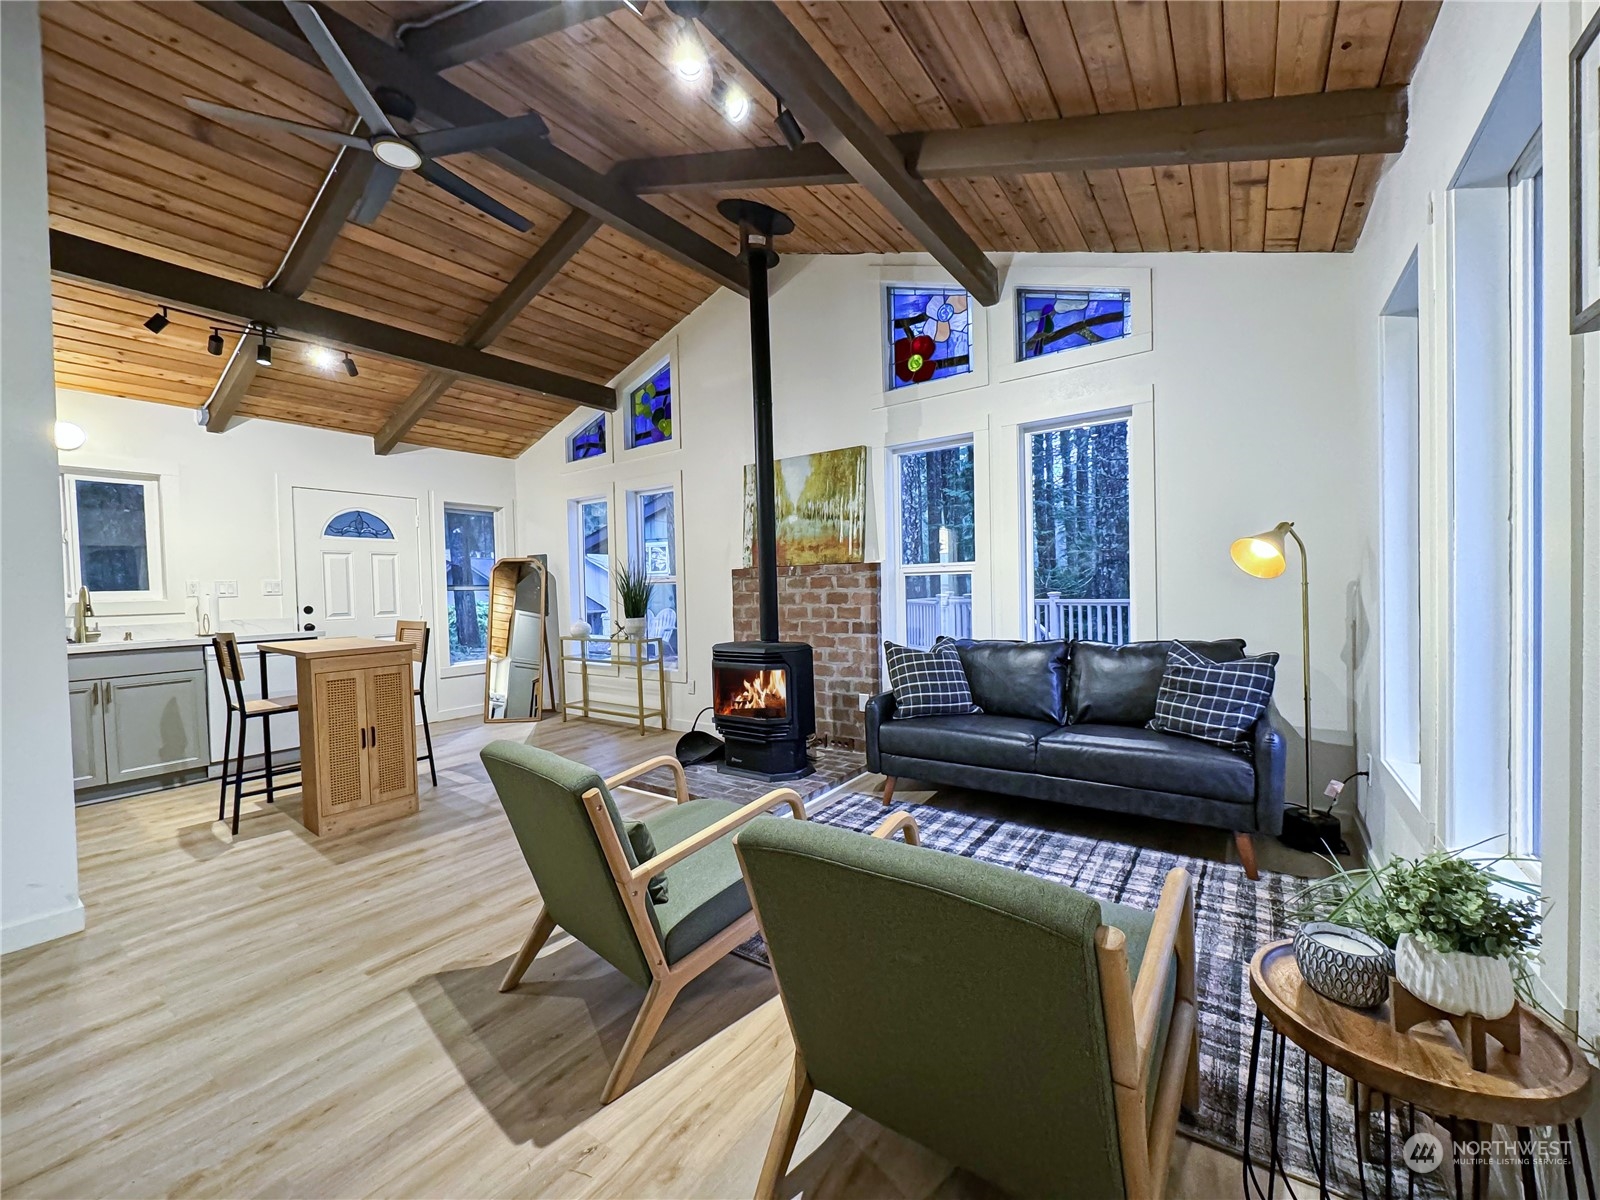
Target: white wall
[(1246, 394), (227, 498), (38, 837), (1414, 210)]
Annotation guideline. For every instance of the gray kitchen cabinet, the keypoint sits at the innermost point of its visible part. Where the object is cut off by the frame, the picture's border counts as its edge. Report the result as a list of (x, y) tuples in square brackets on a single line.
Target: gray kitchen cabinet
[(155, 725), (88, 733)]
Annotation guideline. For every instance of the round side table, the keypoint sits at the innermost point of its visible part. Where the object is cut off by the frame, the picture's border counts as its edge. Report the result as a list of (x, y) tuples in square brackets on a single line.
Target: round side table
[(1548, 1083)]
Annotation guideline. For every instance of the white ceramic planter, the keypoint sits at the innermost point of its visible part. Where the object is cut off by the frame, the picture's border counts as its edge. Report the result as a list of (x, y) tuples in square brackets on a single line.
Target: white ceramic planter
[(633, 627), (1455, 982)]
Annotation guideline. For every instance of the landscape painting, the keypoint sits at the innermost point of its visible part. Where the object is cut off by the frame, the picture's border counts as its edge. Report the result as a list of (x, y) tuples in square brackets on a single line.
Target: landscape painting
[(822, 508)]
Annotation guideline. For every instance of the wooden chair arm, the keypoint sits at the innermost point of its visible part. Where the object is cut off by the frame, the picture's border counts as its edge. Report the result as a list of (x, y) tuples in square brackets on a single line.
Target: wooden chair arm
[(676, 854), (680, 780), (898, 821), (1173, 930)]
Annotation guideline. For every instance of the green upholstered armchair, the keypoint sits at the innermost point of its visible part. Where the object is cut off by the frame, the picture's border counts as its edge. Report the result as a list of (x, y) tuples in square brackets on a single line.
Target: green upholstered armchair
[(987, 1014), (593, 884)]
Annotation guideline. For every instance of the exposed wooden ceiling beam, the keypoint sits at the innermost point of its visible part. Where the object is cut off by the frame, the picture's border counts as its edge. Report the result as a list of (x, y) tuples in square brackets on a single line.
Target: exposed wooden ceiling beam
[(313, 242), (758, 34), (486, 29), (1369, 121), (536, 273), (86, 261), (534, 159)]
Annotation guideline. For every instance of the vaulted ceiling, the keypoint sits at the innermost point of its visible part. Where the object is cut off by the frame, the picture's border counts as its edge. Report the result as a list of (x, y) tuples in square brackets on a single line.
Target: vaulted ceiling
[(132, 167)]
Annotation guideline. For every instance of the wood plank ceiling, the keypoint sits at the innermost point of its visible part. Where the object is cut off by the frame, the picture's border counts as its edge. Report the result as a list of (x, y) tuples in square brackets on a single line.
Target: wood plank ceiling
[(131, 166)]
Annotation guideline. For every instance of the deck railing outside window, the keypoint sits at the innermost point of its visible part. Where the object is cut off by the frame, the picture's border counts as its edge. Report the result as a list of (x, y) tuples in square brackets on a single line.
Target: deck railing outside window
[(1058, 618)]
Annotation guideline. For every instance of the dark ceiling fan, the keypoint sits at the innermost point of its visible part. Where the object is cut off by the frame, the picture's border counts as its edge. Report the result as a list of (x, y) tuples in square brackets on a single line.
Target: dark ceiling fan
[(396, 148)]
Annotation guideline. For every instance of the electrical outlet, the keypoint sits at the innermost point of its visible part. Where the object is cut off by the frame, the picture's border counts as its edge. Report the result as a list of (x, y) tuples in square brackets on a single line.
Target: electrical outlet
[(227, 587), (192, 588), (272, 587), (690, 687), (1333, 789)]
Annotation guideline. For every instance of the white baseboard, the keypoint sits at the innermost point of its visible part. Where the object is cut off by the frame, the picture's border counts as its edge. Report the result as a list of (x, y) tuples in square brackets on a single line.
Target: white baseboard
[(45, 927)]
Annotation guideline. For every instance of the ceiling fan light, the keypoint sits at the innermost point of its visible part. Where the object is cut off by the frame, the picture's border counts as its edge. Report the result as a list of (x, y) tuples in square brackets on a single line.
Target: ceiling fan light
[(214, 344), (396, 153), (158, 321)]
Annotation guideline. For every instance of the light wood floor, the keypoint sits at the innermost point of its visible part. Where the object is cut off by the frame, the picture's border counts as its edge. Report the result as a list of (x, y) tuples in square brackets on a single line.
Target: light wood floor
[(279, 1016)]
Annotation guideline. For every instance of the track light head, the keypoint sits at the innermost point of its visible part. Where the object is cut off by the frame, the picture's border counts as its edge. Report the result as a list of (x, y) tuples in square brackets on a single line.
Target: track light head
[(158, 321), (350, 367), (214, 343), (732, 101), (263, 353), (322, 358), (790, 128)]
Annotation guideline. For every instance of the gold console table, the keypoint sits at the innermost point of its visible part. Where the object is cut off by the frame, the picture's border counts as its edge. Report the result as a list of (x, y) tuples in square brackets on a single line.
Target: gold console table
[(627, 655)]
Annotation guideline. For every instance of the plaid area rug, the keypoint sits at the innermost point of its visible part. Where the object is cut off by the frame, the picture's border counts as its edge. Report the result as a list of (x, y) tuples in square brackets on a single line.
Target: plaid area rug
[(834, 767), (1233, 917)]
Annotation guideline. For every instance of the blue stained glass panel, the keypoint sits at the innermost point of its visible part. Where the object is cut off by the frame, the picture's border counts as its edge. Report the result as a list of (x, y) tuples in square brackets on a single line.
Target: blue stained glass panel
[(650, 409), (930, 334), (588, 442), (357, 523), (1049, 322)]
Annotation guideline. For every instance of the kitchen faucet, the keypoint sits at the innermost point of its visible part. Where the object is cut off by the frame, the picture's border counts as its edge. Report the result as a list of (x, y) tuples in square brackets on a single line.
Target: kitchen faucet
[(85, 610)]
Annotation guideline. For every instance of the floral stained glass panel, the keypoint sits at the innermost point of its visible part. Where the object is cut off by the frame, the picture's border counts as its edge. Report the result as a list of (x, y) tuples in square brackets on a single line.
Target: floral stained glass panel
[(356, 523), (1049, 322), (588, 442), (650, 409), (930, 334)]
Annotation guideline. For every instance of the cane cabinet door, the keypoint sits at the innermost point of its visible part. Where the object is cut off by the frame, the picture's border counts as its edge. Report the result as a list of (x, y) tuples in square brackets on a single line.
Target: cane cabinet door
[(391, 733), (340, 699)]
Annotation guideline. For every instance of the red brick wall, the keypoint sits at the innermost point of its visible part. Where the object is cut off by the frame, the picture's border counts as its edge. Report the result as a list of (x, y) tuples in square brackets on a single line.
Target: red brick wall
[(835, 609)]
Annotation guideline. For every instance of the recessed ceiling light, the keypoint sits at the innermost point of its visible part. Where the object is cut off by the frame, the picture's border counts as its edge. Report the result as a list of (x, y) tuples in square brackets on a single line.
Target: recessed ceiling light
[(69, 436), (689, 58), (735, 104), (322, 358), (392, 152)]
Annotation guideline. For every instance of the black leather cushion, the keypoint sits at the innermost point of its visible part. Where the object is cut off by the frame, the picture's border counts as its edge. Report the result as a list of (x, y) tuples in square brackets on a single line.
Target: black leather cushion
[(980, 739), (1017, 679), (1117, 685), (1145, 759)]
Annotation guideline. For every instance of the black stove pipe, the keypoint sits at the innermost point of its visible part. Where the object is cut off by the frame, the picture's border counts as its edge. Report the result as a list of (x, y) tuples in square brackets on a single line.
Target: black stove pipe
[(758, 224)]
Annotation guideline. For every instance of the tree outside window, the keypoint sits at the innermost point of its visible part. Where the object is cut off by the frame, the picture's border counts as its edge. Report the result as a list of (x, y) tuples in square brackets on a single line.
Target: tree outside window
[(469, 557), (1078, 532)]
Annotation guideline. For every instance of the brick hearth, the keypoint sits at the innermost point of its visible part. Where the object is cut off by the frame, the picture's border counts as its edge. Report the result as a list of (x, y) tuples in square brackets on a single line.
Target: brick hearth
[(835, 609)]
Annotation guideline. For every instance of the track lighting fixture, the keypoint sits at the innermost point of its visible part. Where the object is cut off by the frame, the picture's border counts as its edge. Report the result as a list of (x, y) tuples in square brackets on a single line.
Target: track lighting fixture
[(158, 321), (322, 358), (790, 128), (263, 353), (350, 367), (214, 343), (689, 56), (730, 98)]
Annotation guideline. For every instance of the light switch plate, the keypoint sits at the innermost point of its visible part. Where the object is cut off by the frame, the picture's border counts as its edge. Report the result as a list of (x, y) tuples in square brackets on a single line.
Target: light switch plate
[(227, 587), (192, 588), (272, 587)]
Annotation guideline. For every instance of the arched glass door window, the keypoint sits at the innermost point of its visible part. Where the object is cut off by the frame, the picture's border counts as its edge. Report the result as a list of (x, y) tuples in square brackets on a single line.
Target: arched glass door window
[(358, 523)]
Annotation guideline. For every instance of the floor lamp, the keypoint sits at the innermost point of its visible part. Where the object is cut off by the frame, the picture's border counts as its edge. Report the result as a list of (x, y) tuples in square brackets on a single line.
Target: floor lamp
[(1263, 555)]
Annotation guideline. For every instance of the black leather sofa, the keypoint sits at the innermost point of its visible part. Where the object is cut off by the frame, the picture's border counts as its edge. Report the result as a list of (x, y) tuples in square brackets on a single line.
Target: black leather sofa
[(1065, 721)]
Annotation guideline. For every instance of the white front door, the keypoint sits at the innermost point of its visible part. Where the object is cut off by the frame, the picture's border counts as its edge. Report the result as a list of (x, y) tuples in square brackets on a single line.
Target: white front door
[(357, 568)]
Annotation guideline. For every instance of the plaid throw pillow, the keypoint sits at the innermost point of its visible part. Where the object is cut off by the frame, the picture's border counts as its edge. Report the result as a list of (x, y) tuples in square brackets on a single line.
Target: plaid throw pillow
[(927, 683), (1214, 702)]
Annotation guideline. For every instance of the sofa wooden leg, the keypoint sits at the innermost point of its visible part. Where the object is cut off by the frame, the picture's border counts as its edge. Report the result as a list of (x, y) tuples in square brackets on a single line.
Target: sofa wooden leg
[(1247, 854), (888, 790)]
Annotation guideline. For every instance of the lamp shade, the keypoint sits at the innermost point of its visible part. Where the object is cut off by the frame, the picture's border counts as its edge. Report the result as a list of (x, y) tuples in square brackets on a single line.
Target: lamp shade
[(1262, 554)]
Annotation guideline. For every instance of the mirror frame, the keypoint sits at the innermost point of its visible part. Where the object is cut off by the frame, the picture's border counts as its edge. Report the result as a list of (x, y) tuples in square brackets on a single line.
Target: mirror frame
[(505, 578)]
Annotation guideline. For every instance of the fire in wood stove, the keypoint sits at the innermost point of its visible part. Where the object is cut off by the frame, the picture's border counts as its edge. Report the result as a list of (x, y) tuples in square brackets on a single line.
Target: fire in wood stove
[(765, 707), (752, 693)]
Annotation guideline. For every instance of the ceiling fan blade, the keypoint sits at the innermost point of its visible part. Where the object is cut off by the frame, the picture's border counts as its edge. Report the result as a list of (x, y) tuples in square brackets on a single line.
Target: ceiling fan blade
[(378, 190), (238, 116), (462, 190), (338, 65), (441, 142)]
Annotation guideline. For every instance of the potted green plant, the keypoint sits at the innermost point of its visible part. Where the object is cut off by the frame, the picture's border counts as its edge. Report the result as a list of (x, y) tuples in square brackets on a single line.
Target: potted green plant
[(1463, 940), (633, 590)]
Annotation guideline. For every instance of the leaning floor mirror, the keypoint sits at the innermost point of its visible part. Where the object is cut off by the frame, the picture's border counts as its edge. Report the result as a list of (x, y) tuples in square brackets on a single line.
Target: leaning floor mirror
[(514, 682)]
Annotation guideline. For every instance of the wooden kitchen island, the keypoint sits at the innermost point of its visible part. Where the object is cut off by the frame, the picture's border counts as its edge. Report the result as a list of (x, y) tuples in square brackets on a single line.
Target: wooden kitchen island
[(358, 737)]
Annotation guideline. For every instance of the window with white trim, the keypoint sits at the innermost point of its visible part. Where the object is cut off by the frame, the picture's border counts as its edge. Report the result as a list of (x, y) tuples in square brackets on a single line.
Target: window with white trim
[(111, 535), (589, 534), (653, 517), (469, 557), (1400, 547), (937, 542)]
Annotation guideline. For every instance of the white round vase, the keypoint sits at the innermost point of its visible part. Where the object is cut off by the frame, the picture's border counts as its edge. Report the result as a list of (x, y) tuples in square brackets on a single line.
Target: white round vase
[(1453, 981), (633, 627)]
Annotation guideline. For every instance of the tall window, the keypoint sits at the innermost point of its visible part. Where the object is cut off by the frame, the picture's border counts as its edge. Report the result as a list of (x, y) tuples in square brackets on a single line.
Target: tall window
[(1401, 535), (930, 334), (112, 535), (469, 557), (1078, 534), (938, 544), (591, 563), (655, 525), (1527, 529), (650, 409)]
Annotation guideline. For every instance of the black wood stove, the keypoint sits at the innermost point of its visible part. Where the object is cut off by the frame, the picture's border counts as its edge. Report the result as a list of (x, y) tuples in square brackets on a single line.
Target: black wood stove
[(763, 692)]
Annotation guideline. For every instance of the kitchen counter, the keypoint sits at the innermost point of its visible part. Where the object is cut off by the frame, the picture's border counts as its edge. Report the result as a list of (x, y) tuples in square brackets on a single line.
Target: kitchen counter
[(171, 643)]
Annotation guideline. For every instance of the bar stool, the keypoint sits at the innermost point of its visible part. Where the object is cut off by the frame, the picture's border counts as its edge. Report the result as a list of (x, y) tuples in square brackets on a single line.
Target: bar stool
[(416, 633), (231, 668)]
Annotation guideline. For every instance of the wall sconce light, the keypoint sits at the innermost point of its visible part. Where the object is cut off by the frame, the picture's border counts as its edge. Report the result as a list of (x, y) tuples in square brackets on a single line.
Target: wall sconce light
[(70, 436)]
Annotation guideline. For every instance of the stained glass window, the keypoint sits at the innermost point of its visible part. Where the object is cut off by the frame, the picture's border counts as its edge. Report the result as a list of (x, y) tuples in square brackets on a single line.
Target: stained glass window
[(357, 523), (588, 442), (1049, 321), (650, 409), (930, 334)]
